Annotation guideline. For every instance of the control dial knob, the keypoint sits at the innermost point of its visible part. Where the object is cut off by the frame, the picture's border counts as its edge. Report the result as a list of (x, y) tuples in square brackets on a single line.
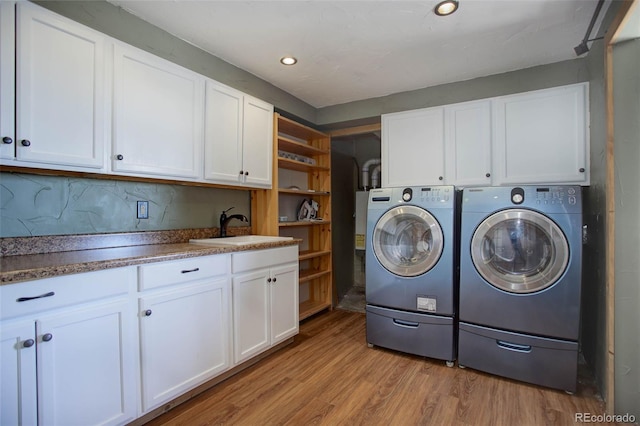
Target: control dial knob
[(407, 194)]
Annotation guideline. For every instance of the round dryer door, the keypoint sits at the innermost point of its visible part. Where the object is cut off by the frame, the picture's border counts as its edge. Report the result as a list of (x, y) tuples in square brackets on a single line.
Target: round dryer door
[(407, 241), (519, 251)]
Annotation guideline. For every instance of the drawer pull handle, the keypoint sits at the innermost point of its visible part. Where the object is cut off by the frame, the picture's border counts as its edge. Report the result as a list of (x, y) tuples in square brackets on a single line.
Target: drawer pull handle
[(402, 323), (26, 299), (148, 313), (28, 343), (47, 337), (186, 271), (513, 346)]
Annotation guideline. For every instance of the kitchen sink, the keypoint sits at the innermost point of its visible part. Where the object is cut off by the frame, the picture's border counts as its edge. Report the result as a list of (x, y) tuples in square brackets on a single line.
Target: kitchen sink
[(240, 240)]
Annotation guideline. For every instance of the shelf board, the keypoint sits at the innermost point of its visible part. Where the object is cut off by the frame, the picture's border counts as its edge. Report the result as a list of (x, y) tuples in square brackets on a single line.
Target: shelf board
[(302, 192), (304, 223), (295, 147), (300, 131), (310, 307), (311, 274), (310, 254), (286, 163)]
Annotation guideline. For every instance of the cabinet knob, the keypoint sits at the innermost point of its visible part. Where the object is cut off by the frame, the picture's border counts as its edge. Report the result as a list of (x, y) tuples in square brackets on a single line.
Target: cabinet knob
[(25, 142), (488, 175), (47, 337), (7, 140), (148, 313), (268, 280), (274, 280), (119, 157), (581, 169), (246, 173), (440, 178), (28, 343), (241, 172)]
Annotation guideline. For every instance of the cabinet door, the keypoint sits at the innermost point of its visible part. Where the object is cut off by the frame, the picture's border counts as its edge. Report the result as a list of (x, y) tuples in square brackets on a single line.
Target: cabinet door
[(59, 90), (250, 315), (542, 137), (18, 405), (86, 366), (468, 143), (7, 80), (158, 116), (284, 302), (223, 134), (413, 148), (257, 142), (184, 337)]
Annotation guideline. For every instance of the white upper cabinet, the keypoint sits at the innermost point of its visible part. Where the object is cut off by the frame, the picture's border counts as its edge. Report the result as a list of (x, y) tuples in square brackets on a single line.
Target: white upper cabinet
[(413, 148), (223, 133), (60, 102), (238, 137), (158, 116), (468, 143), (75, 99), (538, 137), (542, 136), (257, 142), (7, 80)]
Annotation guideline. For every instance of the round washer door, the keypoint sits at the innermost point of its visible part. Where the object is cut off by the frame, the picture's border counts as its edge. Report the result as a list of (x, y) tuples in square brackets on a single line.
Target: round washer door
[(407, 241), (519, 251)]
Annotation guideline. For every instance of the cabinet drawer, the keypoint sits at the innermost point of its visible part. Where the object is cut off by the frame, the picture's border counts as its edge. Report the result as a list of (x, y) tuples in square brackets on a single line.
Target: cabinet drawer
[(181, 271), (52, 293), (246, 261)]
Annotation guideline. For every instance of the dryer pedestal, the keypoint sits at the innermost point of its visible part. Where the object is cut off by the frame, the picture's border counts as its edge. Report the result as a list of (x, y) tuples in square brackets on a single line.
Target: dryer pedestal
[(426, 335), (538, 360)]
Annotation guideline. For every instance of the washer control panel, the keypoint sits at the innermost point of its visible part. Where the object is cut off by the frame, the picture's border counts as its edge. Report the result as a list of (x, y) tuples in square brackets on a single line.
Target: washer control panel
[(436, 194)]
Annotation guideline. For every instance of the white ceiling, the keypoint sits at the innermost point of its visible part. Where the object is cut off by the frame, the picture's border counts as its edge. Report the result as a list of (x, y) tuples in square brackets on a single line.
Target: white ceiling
[(353, 50)]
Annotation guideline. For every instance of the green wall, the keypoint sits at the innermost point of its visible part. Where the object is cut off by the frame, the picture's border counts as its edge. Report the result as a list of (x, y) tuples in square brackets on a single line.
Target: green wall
[(32, 205), (626, 93)]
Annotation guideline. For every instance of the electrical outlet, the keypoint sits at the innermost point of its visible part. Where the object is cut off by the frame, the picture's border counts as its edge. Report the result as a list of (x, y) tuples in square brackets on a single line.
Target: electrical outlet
[(143, 210)]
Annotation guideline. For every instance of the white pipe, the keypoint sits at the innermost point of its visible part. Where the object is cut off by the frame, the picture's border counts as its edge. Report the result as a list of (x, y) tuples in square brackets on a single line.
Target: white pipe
[(375, 176), (365, 171)]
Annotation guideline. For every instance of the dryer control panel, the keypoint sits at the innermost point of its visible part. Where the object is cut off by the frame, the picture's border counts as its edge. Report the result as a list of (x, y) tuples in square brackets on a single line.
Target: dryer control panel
[(556, 195)]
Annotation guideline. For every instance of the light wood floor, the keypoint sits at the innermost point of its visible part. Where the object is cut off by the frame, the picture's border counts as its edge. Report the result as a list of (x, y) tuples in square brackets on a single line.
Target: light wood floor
[(329, 376)]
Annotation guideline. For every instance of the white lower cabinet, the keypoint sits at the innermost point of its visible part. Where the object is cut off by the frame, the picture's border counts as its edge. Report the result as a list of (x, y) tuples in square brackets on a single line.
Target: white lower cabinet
[(265, 299), (184, 326), (18, 369), (76, 350), (73, 339)]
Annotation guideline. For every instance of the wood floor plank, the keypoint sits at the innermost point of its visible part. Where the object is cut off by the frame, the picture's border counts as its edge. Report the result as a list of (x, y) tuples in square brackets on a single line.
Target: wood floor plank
[(329, 376)]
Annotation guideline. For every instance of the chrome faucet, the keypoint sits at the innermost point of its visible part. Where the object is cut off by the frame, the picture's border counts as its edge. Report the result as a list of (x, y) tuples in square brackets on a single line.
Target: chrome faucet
[(224, 220)]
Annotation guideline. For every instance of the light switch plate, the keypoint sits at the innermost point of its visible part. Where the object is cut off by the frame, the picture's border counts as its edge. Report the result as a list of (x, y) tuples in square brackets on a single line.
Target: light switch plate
[(143, 210)]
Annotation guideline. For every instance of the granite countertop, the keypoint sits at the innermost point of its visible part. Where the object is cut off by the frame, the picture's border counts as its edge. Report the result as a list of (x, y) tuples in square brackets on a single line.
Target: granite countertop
[(25, 267)]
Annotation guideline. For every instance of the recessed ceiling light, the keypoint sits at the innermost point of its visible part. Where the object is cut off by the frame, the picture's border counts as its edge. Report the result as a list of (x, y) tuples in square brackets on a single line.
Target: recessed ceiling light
[(288, 60), (446, 7)]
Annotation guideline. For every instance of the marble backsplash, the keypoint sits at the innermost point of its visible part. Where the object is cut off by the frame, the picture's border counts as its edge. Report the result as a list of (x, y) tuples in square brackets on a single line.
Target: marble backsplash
[(34, 205)]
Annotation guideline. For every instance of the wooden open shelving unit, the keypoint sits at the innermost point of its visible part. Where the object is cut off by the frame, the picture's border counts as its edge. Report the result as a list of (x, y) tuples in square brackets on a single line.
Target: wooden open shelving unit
[(293, 182)]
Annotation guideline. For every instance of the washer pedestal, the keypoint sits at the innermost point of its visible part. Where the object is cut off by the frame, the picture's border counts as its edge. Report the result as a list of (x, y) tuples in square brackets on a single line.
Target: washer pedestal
[(420, 334)]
